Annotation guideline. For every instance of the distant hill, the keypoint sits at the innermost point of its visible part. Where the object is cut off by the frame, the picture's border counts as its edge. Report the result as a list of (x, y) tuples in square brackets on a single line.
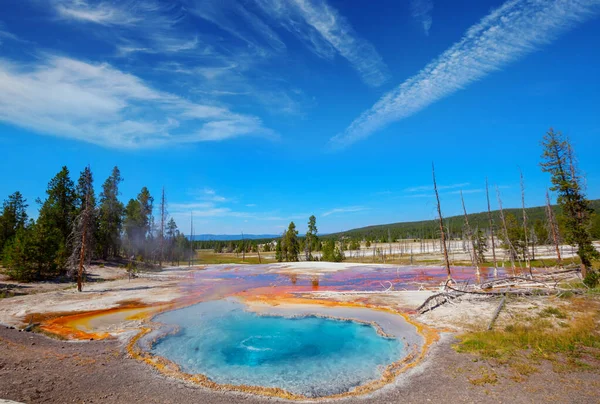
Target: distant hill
[(430, 228), (233, 237)]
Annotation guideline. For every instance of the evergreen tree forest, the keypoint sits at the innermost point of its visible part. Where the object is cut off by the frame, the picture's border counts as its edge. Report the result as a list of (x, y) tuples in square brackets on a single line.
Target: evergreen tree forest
[(75, 225)]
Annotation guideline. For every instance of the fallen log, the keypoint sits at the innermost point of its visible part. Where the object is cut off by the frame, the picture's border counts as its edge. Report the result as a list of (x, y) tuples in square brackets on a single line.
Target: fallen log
[(497, 312)]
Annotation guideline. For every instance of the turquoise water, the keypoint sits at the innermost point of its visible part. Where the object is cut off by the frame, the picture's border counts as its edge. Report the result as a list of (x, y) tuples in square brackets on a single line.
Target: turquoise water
[(309, 355)]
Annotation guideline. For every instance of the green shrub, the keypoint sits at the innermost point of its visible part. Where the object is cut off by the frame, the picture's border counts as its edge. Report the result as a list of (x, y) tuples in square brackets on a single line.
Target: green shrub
[(592, 279)]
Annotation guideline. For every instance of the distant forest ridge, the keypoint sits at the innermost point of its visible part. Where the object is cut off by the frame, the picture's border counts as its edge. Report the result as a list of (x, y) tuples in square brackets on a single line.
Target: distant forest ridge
[(233, 237), (419, 229), (454, 224)]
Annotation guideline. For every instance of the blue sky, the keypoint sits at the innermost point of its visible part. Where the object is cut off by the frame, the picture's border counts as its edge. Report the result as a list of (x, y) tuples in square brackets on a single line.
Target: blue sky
[(252, 113)]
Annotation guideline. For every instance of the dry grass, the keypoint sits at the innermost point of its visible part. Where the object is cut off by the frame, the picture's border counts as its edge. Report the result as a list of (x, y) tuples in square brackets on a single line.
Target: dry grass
[(486, 376), (207, 257), (568, 337)]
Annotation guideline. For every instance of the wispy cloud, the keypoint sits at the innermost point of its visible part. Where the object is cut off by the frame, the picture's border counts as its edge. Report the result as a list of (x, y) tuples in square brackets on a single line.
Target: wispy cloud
[(100, 104), (465, 191), (421, 10), (124, 13), (6, 35), (508, 33), (440, 187), (233, 17), (104, 13), (218, 67), (145, 26), (321, 27), (348, 209)]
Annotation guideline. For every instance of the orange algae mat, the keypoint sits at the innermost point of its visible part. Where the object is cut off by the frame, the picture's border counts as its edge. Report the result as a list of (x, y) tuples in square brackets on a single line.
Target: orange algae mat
[(270, 283)]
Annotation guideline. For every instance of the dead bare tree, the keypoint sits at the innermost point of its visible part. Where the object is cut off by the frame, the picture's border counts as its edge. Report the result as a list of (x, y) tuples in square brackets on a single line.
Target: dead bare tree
[(243, 248), (474, 258), (526, 245), (491, 222), (441, 219), (191, 260), (82, 234), (512, 251), (161, 234), (553, 227)]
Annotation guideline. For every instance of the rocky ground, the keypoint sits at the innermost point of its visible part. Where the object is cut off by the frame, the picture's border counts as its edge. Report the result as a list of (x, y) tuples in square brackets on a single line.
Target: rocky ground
[(36, 369)]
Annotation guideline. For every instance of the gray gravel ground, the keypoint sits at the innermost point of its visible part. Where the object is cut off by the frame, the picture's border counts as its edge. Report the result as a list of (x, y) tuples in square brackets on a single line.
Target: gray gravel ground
[(36, 369)]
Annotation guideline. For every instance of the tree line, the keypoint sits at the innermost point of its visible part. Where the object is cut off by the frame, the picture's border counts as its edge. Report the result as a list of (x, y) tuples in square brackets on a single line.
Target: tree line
[(75, 225), (574, 221)]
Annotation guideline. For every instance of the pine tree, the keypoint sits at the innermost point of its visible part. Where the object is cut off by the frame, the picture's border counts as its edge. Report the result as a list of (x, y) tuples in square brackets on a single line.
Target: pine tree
[(110, 217), (134, 227), (82, 236), (12, 218), (138, 223), (278, 251), (292, 246), (329, 250), (558, 159), (23, 255), (171, 233), (55, 221), (311, 238)]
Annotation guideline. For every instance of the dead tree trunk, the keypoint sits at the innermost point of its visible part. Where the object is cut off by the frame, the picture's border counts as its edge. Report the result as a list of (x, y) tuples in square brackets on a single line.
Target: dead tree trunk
[(82, 234), (474, 257), (526, 246), (163, 219), (491, 222), (512, 252), (243, 248), (191, 260), (553, 228), (441, 219), (81, 260)]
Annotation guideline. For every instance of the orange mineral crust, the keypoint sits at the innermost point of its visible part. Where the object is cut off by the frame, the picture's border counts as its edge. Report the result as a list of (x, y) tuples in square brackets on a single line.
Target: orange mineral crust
[(276, 286)]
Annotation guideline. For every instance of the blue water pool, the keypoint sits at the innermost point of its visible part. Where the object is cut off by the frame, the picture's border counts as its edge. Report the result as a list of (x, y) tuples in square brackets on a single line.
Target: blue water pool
[(310, 356)]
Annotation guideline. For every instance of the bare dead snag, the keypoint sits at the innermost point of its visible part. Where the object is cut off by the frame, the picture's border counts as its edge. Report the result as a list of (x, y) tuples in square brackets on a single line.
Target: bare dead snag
[(526, 246), (491, 222), (163, 218), (512, 251), (82, 233), (441, 219), (258, 251), (498, 310), (474, 257), (553, 228)]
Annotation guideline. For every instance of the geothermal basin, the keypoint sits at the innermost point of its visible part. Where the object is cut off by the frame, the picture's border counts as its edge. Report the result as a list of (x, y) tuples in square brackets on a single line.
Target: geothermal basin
[(309, 352)]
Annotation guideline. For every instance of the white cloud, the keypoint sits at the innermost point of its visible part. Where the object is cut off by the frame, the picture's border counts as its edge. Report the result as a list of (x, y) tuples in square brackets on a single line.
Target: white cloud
[(99, 104), (465, 192), (123, 13), (508, 33), (440, 187), (101, 13), (7, 35), (421, 10), (147, 26), (322, 28), (348, 209), (233, 17)]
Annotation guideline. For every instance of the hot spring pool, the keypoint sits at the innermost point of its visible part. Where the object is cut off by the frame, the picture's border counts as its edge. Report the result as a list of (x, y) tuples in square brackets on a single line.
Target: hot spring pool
[(311, 356)]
